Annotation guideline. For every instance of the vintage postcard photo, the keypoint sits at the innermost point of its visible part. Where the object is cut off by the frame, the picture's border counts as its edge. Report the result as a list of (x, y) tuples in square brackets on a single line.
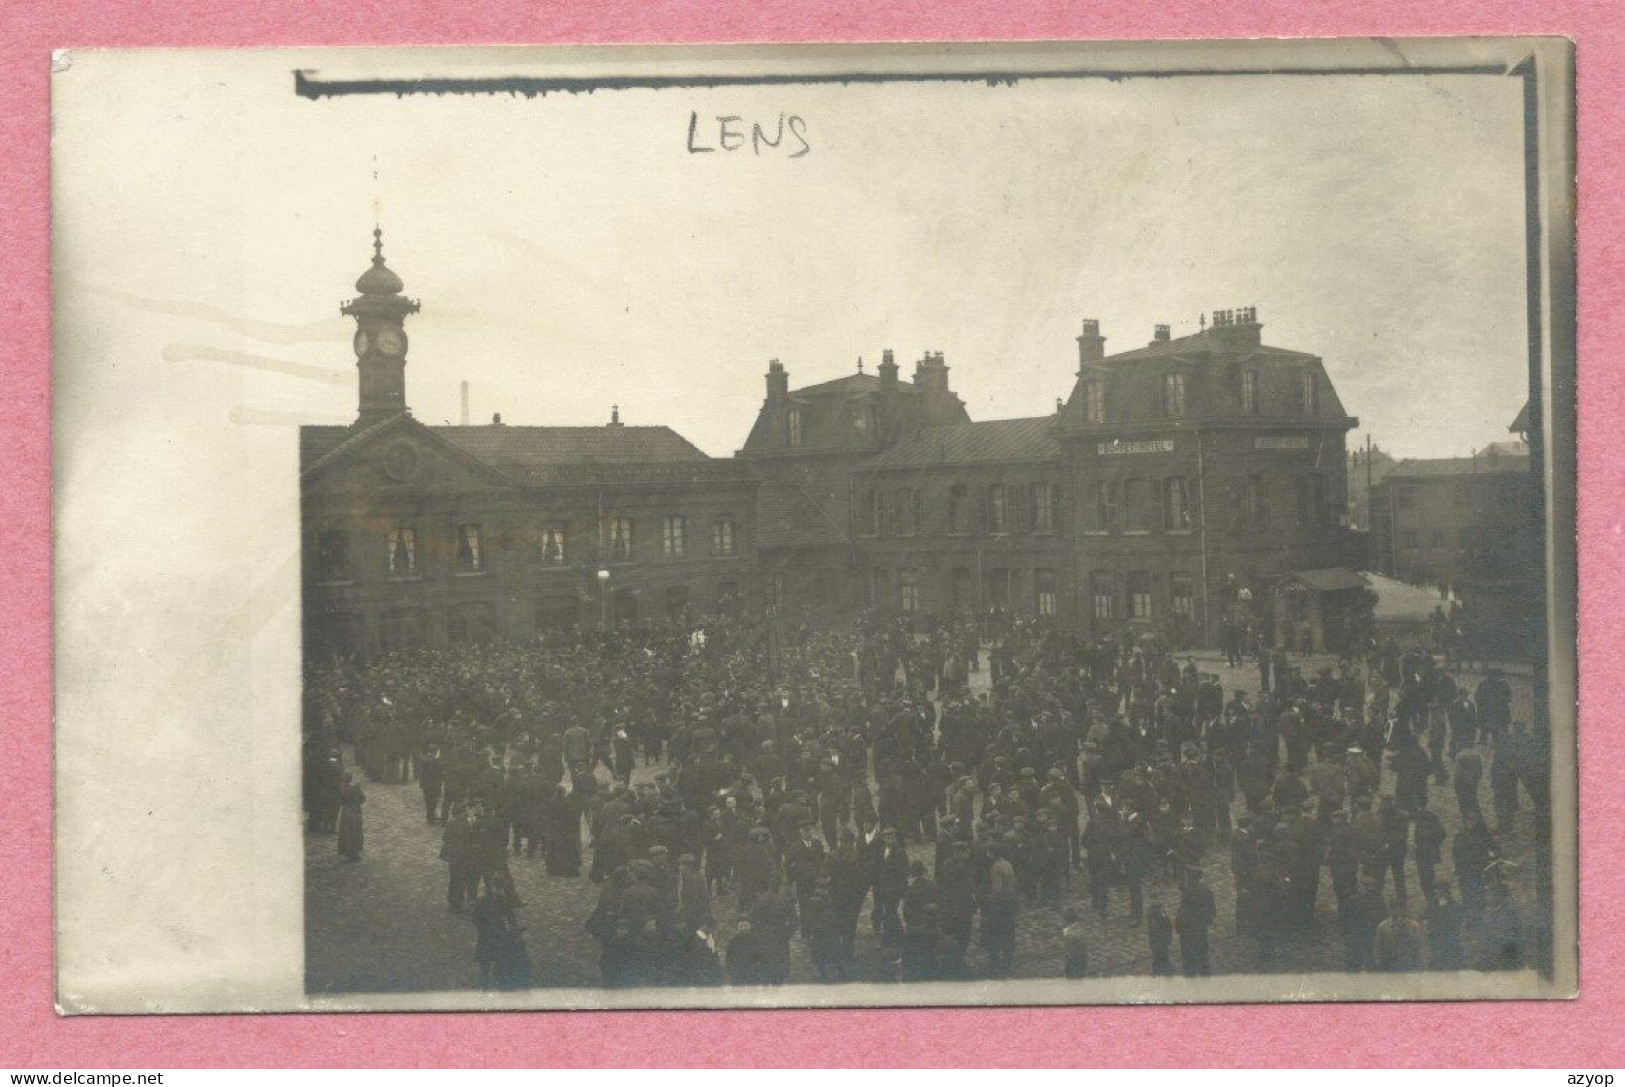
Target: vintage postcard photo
[(738, 527)]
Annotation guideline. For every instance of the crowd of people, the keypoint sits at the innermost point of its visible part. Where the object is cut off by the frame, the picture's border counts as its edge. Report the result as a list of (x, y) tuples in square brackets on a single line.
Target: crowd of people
[(794, 787)]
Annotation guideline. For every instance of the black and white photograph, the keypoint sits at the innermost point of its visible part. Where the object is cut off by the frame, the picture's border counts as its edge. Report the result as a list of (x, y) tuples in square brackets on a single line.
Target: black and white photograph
[(742, 527)]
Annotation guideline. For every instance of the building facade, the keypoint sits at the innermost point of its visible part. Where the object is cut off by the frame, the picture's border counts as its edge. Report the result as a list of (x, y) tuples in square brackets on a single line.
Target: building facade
[(433, 536)]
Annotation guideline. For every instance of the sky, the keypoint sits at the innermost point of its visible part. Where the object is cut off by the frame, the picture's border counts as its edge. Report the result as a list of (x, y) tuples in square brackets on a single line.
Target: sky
[(571, 253)]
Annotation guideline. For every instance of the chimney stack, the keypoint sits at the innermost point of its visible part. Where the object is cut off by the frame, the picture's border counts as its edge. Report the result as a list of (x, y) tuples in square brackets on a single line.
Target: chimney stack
[(1160, 333), (1091, 344), (465, 404), (615, 415), (496, 419), (778, 382), (888, 371), (1238, 328)]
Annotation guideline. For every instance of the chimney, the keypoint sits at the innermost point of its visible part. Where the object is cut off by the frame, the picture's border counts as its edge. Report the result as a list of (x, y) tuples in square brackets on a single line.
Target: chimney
[(1236, 329), (778, 382), (496, 419), (1091, 345), (615, 415), (1160, 333), (465, 404), (931, 374), (888, 371)]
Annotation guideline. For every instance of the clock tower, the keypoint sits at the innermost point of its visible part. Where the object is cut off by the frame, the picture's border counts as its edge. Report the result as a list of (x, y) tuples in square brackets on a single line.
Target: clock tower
[(380, 339)]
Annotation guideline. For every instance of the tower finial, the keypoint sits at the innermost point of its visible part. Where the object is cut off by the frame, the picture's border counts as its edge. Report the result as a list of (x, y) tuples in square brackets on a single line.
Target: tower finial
[(860, 364), (377, 244)]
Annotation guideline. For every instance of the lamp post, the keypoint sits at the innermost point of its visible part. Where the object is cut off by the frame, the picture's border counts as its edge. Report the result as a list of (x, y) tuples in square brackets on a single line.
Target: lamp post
[(603, 599)]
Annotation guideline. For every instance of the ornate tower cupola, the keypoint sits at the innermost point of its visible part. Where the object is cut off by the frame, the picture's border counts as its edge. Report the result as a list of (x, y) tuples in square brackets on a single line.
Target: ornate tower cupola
[(380, 339)]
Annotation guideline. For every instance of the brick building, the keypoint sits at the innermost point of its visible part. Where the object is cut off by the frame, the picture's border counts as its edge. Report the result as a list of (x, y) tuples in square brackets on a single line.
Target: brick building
[(416, 535), (1177, 480), (1430, 516)]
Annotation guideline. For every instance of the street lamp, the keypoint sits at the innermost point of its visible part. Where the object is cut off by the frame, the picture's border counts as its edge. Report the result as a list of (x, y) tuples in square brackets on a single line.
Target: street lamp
[(603, 599)]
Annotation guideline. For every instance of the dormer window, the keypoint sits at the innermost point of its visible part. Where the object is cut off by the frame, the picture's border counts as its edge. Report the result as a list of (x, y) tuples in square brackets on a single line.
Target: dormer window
[(1173, 396), (1308, 402), (1094, 401), (792, 427), (1249, 392)]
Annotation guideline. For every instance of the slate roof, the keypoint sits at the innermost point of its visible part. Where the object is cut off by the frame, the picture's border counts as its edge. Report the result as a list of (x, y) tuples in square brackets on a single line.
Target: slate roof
[(991, 442), (851, 383), (789, 516), (1521, 423), (529, 453), (1200, 344)]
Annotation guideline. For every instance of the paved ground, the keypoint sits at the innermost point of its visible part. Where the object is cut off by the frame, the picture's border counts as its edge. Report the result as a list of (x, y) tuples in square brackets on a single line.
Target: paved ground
[(381, 924)]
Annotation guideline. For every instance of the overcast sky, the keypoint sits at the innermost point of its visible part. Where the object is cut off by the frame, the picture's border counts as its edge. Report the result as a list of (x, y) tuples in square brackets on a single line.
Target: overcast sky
[(570, 252)]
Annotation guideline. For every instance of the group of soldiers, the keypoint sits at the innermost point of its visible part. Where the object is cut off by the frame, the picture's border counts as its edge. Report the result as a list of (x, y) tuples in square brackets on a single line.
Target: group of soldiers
[(791, 783)]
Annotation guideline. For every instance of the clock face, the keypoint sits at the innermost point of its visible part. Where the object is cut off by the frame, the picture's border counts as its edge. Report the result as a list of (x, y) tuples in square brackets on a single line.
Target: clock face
[(361, 342), (392, 341)]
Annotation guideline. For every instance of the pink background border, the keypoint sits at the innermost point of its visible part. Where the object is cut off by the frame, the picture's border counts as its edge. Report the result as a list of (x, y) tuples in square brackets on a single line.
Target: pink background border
[(1583, 1034)]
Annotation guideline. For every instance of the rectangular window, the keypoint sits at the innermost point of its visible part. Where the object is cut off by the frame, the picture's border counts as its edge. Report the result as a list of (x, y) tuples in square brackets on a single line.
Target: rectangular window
[(1182, 589), (1307, 401), (1305, 514), (1173, 396), (1407, 497), (333, 555), (722, 537), (1438, 537), (1249, 392), (877, 587), (553, 538), (1137, 505), (1094, 401), (773, 593), (620, 539), (1464, 537), (671, 537), (1044, 589), (958, 509), (1176, 504), (1100, 594), (792, 427), (964, 589), (1139, 594), (403, 552), (909, 584), (1045, 507), (998, 512), (470, 559), (869, 524)]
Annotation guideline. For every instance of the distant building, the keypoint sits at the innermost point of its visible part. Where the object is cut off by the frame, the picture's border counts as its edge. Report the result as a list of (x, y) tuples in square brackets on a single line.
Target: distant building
[(431, 536), (1430, 517)]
